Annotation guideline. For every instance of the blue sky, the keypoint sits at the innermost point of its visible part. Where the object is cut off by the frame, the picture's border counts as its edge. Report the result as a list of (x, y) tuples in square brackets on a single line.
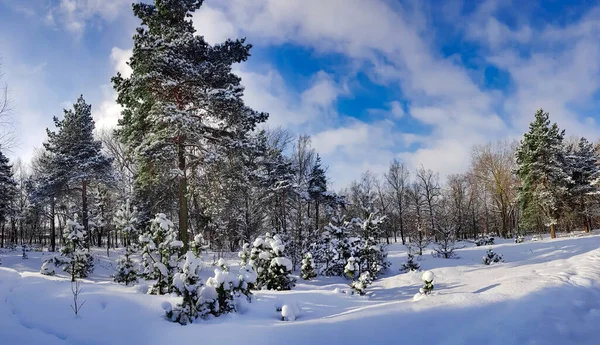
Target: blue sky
[(369, 80)]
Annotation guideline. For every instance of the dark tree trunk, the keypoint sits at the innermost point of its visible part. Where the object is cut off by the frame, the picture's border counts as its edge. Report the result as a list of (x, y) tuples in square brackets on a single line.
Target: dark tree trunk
[(183, 208), (84, 211), (52, 226)]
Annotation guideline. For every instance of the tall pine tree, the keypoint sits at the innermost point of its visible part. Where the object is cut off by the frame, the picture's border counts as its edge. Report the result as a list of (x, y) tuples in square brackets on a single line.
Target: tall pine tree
[(583, 169), (541, 166), (181, 96), (76, 156)]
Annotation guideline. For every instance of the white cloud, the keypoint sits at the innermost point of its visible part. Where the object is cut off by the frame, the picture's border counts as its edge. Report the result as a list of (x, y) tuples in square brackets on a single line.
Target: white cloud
[(75, 15), (108, 113)]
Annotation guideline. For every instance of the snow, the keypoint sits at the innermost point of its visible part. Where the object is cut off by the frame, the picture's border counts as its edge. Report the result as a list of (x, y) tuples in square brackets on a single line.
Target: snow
[(548, 292), (428, 276), (287, 263)]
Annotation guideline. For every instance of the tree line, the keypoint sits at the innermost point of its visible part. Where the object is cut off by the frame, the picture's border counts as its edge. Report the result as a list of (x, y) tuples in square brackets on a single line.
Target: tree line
[(187, 146)]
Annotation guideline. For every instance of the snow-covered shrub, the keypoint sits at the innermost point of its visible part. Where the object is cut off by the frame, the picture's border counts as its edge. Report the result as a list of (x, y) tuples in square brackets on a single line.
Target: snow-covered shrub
[(272, 267), (427, 278), (148, 253), (289, 312), (260, 259), (244, 254), (410, 265), (519, 239), (126, 271), (360, 285), (50, 265), (372, 256), (165, 258), (351, 268), (492, 258), (484, 241), (187, 284), (198, 246), (279, 274), (125, 221), (308, 267), (73, 259)]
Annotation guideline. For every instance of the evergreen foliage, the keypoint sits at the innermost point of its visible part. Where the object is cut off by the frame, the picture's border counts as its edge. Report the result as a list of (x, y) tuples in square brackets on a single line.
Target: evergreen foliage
[(541, 167), (308, 267), (492, 258)]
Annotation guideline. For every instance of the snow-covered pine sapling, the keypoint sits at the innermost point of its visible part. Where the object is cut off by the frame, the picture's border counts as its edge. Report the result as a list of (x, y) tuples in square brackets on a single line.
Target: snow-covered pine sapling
[(484, 241), (148, 253), (222, 265), (519, 239), (492, 258), (223, 283), (125, 221), (187, 284), (351, 268), (410, 265), (360, 285), (280, 270), (73, 258), (49, 266), (428, 278), (247, 280), (308, 267), (260, 260), (198, 245), (24, 255), (168, 247), (244, 254)]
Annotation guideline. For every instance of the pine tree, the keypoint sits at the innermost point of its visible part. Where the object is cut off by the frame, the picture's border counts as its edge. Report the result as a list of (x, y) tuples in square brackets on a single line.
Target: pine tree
[(372, 256), (410, 265), (351, 269), (73, 258), (164, 236), (280, 268), (360, 285), (7, 191), (260, 259), (181, 95), (541, 169), (317, 186), (198, 245), (125, 221), (427, 278), (308, 267), (187, 284), (77, 157), (583, 168), (245, 254)]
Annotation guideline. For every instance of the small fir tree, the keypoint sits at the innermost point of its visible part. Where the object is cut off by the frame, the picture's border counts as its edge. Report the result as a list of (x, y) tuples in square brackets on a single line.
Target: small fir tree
[(492, 258), (125, 221), (427, 278), (351, 269), (187, 284), (308, 267), (168, 248), (359, 286)]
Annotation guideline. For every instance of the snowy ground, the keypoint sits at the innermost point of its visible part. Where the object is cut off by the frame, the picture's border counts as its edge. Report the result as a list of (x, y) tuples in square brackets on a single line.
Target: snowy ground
[(547, 292)]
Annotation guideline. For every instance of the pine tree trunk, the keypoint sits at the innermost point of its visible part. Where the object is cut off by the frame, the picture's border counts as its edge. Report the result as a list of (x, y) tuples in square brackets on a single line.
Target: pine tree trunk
[(2, 241), (52, 226), (552, 231), (84, 211), (183, 212)]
